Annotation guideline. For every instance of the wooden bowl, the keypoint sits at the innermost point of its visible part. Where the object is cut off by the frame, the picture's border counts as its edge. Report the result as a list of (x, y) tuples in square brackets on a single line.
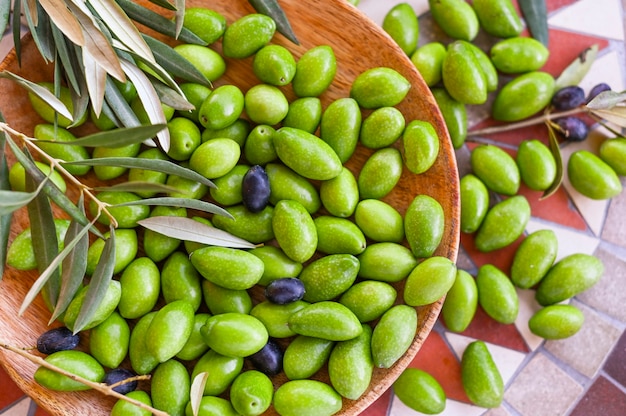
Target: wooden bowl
[(358, 44)]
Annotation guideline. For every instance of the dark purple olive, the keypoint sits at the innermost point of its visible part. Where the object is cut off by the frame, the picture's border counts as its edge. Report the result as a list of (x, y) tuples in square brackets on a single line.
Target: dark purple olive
[(57, 339), (601, 87), (255, 189), (285, 290), (121, 374), (573, 128), (568, 97), (269, 360)]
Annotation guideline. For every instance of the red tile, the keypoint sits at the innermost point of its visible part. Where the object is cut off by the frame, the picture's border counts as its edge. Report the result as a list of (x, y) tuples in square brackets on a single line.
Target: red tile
[(9, 393), (485, 328), (436, 358), (603, 398), (566, 47), (41, 412), (501, 258), (556, 208), (615, 365)]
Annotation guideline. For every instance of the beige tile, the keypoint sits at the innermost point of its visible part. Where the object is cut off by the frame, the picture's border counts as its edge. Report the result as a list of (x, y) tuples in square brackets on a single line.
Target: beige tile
[(21, 408), (500, 411), (586, 350), (615, 227), (603, 295), (542, 388)]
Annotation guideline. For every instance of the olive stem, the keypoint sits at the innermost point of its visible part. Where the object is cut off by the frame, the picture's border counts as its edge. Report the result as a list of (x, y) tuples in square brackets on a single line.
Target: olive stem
[(102, 388), (526, 123), (55, 164)]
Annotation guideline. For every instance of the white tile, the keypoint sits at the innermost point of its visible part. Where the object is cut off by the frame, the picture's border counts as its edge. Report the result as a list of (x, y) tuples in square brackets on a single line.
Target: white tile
[(601, 18), (377, 10), (593, 211), (606, 68), (507, 360), (569, 240), (527, 308)]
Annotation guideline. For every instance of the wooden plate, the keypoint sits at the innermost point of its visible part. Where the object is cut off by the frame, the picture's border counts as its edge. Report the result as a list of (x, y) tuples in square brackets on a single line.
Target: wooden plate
[(358, 44)]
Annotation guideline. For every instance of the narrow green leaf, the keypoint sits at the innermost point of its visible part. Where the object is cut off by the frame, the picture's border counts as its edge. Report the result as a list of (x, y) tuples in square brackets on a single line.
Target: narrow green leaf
[(179, 16), (187, 229), (576, 71), (197, 391), (96, 78), (43, 234), (119, 106), (164, 166), (11, 201), (50, 188), (30, 12), (170, 97), (114, 138), (272, 9), (44, 33), (150, 101), (63, 52), (99, 283), (180, 202), (122, 27), (76, 245), (39, 91), (5, 11), (615, 115), (5, 219), (175, 63), (17, 32), (535, 13), (80, 99), (138, 186), (556, 153), (606, 100), (158, 23), (163, 3)]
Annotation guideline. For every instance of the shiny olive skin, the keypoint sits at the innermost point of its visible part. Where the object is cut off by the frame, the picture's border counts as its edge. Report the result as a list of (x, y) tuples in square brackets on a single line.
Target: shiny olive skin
[(462, 75), (285, 290), (306, 398), (76, 362), (454, 115), (255, 189), (120, 374), (304, 356), (518, 55), (379, 87), (402, 25), (504, 223), (498, 17), (496, 168), (57, 339), (457, 18), (523, 96), (592, 177), (568, 97), (315, 71), (480, 376), (170, 386), (420, 391), (269, 359), (247, 35)]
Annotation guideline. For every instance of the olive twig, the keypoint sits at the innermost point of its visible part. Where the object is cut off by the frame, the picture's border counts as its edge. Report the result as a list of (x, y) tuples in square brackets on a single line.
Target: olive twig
[(526, 123), (56, 165), (102, 388)]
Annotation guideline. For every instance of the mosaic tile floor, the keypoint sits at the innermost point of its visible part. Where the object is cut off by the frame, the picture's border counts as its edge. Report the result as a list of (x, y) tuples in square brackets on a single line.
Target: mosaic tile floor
[(584, 375)]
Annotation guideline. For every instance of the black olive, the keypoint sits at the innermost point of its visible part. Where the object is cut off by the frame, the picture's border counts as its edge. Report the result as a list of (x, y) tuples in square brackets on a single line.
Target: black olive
[(573, 128), (269, 360), (601, 87), (285, 290), (120, 374), (255, 189), (57, 339), (568, 97)]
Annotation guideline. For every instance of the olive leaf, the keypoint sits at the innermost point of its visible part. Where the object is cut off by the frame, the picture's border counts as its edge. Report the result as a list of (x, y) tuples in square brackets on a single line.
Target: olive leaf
[(96, 78), (175, 63), (17, 33), (149, 99), (43, 32), (197, 391), (556, 153), (138, 186), (158, 23), (40, 92), (99, 283), (164, 166), (188, 229), (171, 97), (535, 13), (577, 69), (272, 9), (113, 138), (74, 263), (122, 27), (181, 203), (163, 3), (606, 100), (43, 45), (64, 20), (5, 218), (179, 16), (11, 201), (44, 238), (615, 115), (118, 105), (68, 61)]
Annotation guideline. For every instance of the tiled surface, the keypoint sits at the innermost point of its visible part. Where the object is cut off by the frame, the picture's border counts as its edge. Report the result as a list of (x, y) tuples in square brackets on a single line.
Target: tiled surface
[(584, 375)]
